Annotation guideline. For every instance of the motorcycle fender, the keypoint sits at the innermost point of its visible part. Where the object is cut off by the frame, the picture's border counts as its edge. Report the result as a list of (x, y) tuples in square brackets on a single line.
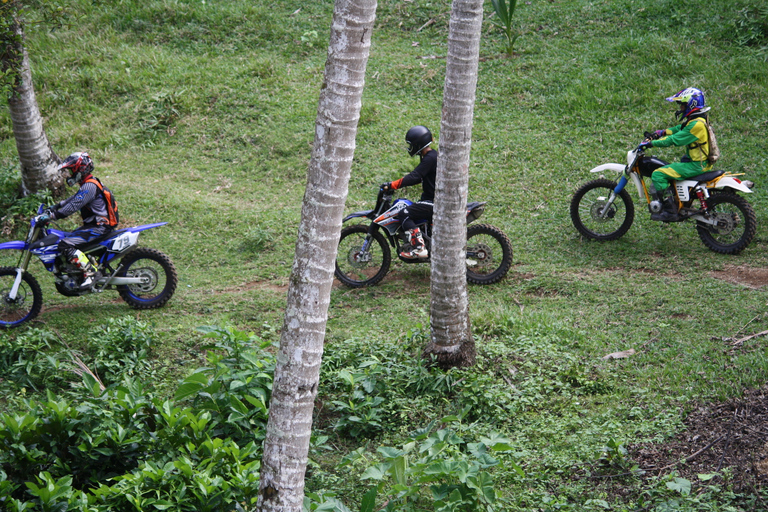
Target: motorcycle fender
[(16, 244), (728, 182), (609, 167), (355, 215)]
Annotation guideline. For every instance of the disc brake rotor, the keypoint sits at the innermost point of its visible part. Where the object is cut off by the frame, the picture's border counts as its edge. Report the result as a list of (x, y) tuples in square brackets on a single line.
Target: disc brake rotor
[(481, 255), (726, 223), (358, 259), (596, 211), (147, 275)]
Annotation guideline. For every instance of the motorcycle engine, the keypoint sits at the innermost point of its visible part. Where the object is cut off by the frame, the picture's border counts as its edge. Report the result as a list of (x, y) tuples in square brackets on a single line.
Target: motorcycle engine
[(655, 206), (70, 283), (69, 286)]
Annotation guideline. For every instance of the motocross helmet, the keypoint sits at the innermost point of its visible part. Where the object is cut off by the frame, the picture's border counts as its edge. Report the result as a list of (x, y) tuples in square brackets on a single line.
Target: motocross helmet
[(691, 101), (418, 138), (76, 167)]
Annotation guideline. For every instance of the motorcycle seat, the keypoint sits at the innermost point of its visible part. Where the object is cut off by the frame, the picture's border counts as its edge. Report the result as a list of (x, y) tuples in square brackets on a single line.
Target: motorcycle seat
[(94, 243), (707, 176)]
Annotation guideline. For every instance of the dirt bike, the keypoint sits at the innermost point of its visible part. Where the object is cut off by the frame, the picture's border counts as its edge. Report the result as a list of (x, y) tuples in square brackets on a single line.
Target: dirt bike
[(144, 278), (364, 255), (603, 210)]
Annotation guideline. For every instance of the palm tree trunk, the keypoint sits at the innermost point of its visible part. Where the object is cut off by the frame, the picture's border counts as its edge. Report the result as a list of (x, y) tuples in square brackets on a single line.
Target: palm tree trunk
[(451, 343), (38, 160), (301, 344)]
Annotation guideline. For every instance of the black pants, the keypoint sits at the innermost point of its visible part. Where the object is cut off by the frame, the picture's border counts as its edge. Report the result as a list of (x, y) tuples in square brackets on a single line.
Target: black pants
[(416, 213)]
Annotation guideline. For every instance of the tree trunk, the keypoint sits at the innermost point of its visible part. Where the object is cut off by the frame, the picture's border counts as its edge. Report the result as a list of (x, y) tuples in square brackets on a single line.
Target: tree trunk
[(451, 343), (38, 160), (301, 343)]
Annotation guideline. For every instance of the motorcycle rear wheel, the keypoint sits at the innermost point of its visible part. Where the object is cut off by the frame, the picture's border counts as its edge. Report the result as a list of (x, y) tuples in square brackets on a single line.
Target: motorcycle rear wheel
[(357, 268), (586, 209), (28, 302), (736, 227), (161, 274), (489, 254)]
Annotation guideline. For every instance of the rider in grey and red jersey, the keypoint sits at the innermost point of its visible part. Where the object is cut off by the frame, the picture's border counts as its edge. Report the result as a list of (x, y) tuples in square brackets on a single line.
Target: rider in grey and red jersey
[(91, 201)]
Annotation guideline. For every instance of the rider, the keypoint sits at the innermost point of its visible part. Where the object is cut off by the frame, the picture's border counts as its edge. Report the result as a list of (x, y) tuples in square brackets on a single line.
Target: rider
[(691, 133), (91, 201), (419, 139)]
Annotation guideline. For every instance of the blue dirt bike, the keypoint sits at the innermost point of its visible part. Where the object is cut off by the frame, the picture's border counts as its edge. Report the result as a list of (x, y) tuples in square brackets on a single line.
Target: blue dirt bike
[(144, 278)]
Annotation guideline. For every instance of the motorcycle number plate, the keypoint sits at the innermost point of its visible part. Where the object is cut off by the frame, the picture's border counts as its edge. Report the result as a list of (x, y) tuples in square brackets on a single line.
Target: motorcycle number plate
[(124, 241)]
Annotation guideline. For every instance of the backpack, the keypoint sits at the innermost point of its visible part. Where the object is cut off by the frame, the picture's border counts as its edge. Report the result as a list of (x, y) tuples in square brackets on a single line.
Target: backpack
[(714, 152), (113, 217), (713, 155)]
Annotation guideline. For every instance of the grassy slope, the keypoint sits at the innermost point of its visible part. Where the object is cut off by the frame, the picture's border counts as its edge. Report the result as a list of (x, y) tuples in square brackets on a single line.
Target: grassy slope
[(237, 82)]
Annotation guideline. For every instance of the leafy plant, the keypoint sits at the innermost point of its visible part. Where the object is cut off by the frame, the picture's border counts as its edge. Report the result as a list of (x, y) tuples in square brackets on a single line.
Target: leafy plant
[(30, 360), (505, 12), (160, 454), (17, 209), (236, 386), (122, 348), (214, 475), (453, 471), (360, 414)]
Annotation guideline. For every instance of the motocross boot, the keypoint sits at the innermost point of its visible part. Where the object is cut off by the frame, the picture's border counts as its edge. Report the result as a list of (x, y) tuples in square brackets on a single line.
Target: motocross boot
[(82, 261), (669, 212), (418, 250)]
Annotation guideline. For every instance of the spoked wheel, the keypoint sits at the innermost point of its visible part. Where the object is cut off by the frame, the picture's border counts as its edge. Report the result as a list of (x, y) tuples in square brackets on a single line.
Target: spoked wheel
[(28, 301), (589, 214), (489, 254), (158, 278), (362, 259), (736, 224)]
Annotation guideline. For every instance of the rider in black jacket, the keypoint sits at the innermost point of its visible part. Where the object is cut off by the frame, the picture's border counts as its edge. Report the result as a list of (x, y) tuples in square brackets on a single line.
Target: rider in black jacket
[(419, 139)]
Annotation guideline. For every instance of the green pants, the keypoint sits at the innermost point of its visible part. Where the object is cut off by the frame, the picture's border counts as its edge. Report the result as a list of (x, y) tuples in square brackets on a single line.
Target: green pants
[(662, 176)]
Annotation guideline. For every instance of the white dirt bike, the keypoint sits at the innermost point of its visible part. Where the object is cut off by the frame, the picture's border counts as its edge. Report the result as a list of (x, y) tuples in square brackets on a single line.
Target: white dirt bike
[(603, 210)]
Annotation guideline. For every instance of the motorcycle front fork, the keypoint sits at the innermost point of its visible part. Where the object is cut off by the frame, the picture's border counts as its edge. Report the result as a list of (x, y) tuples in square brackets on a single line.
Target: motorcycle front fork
[(23, 265), (612, 198)]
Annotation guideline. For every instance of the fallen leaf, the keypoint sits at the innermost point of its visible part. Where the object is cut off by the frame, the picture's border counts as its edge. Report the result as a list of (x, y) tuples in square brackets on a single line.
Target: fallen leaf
[(620, 355)]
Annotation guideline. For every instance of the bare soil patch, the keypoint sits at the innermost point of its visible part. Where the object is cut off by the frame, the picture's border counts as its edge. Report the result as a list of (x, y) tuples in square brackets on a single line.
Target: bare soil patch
[(256, 285), (732, 434), (750, 277)]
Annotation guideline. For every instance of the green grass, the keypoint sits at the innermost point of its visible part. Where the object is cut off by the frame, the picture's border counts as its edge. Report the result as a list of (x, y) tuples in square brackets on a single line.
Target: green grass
[(202, 114)]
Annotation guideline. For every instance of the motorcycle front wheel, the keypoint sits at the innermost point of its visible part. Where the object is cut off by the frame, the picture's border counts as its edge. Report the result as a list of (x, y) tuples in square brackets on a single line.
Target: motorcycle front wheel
[(159, 275), (362, 259), (489, 254), (588, 216), (736, 224), (28, 301)]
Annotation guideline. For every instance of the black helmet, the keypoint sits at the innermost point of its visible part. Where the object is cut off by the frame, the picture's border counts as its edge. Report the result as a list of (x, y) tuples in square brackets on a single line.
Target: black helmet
[(78, 167), (418, 138)]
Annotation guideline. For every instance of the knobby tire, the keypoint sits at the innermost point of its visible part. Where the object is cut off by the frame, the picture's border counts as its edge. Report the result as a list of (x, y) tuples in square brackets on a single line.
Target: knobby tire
[(741, 226), (163, 282), (585, 207), (495, 261), (28, 302), (354, 271)]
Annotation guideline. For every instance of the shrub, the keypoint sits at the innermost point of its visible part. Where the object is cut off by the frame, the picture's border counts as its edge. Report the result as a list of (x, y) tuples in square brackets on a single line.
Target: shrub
[(438, 471), (121, 448), (122, 348)]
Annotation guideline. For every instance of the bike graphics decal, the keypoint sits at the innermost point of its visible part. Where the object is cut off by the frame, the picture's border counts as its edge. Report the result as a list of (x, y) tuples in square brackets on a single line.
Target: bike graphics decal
[(124, 241)]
